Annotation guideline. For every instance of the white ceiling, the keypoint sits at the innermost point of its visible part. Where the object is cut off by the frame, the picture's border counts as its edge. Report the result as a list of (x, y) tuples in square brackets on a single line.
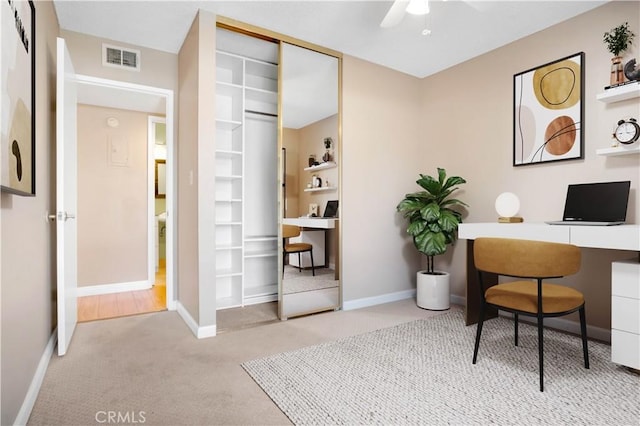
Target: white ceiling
[(460, 30)]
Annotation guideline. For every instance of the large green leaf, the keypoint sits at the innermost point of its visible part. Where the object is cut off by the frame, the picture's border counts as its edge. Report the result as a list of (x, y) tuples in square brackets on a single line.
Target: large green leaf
[(430, 185), (448, 221), (431, 243), (430, 212), (416, 227), (409, 205)]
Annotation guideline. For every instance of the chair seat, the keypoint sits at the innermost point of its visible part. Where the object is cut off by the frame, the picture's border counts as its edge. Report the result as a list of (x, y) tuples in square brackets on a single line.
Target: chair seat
[(523, 296), (295, 247)]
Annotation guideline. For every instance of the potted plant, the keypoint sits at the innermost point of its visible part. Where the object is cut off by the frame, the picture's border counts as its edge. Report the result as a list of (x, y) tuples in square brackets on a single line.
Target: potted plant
[(618, 40), (327, 145), (433, 224)]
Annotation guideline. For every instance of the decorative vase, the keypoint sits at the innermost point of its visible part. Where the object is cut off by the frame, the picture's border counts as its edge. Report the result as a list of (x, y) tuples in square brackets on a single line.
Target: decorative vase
[(312, 160), (617, 74), (433, 290), (327, 157)]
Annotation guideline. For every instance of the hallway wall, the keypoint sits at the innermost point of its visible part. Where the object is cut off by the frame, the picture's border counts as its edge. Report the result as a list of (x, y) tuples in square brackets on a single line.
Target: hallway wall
[(27, 247)]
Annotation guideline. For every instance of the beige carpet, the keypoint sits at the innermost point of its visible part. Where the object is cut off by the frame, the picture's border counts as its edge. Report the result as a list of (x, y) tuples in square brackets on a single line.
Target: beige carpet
[(420, 372), (151, 366), (249, 316)]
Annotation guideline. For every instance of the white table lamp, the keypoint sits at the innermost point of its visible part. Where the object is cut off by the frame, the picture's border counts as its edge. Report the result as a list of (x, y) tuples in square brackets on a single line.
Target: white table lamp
[(507, 206)]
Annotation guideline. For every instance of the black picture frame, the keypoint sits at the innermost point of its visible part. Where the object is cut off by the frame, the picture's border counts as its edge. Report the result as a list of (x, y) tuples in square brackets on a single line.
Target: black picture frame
[(548, 112), (18, 125)]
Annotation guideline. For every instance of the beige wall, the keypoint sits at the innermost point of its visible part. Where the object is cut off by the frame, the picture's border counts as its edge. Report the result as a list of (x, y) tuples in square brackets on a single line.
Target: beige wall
[(311, 142), (187, 265), (382, 153), (467, 127), (196, 174), (112, 196), (157, 68), (461, 119), (27, 284), (291, 141), (301, 143)]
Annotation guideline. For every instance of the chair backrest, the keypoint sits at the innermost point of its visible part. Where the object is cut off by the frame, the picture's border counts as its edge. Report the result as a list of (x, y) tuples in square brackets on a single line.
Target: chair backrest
[(525, 258), (289, 231)]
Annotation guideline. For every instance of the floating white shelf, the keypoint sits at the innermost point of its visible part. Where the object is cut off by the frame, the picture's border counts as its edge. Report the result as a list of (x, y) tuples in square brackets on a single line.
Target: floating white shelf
[(322, 166), (619, 150), (228, 247), (324, 188), (620, 93), (264, 253), (228, 124)]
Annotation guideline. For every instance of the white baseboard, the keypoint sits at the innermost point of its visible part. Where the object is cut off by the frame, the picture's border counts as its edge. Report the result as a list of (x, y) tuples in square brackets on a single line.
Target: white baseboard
[(562, 324), (572, 327), (36, 382), (94, 290), (378, 300), (199, 332)]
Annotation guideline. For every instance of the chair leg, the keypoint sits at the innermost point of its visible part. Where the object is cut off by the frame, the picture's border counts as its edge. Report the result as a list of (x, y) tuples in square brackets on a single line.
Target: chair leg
[(479, 331), (515, 318), (313, 268), (299, 263), (540, 352), (583, 331)]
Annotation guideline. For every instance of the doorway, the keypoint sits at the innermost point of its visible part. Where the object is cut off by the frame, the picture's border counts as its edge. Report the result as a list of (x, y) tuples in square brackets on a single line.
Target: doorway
[(156, 291)]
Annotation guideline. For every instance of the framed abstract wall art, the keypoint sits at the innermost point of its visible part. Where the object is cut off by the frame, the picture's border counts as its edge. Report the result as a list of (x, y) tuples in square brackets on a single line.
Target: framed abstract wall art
[(17, 100), (548, 112)]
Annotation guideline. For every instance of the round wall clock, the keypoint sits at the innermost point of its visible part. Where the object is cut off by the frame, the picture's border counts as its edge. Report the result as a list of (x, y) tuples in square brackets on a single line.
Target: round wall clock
[(627, 132)]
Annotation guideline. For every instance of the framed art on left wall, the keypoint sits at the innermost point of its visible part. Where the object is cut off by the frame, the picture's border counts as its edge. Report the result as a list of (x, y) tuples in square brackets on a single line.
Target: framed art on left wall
[(17, 107)]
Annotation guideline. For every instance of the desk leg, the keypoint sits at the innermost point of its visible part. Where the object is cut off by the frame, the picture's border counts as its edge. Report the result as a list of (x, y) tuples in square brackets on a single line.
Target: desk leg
[(336, 248), (472, 310)]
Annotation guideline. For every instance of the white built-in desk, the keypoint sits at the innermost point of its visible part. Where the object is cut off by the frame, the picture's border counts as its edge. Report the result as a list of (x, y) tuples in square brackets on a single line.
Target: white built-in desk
[(311, 222), (625, 280), (310, 226)]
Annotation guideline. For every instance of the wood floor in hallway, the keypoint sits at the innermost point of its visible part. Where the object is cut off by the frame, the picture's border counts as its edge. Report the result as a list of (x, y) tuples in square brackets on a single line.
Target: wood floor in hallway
[(103, 306)]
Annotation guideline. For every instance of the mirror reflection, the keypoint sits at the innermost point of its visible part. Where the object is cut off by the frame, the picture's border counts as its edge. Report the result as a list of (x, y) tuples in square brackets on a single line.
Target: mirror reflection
[(310, 117)]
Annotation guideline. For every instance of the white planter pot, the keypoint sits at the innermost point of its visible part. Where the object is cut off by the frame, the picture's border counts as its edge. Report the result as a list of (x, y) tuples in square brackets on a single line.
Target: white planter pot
[(433, 290)]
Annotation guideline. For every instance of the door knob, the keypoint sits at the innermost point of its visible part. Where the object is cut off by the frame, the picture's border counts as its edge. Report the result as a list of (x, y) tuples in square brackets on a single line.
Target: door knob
[(62, 216)]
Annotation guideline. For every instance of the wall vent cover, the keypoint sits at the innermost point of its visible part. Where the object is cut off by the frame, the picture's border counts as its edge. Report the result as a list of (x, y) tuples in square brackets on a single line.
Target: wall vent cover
[(120, 57)]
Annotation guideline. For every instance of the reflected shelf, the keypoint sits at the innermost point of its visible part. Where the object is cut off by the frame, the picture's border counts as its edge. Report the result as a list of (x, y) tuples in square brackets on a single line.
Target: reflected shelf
[(322, 166), (322, 189)]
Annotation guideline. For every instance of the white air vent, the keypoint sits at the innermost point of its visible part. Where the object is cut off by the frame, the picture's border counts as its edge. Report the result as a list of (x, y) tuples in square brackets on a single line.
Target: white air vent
[(120, 57)]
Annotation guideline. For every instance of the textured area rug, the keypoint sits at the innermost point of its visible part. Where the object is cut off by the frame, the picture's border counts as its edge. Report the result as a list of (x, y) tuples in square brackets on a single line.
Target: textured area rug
[(421, 373)]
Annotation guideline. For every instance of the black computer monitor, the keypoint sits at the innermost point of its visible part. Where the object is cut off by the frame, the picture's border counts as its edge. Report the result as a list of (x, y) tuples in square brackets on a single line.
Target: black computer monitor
[(332, 209)]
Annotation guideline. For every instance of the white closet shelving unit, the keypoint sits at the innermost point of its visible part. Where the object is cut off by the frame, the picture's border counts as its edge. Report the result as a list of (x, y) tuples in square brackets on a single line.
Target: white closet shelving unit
[(246, 180)]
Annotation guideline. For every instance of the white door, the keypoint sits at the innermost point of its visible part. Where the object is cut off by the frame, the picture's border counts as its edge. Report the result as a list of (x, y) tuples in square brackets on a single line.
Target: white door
[(66, 197)]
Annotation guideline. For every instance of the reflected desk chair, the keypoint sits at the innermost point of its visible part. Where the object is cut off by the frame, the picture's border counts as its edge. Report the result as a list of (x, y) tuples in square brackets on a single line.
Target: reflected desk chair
[(291, 231), (532, 263)]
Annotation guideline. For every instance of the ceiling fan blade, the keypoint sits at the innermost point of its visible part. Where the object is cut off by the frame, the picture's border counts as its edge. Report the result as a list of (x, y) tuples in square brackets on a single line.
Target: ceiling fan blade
[(479, 5), (395, 14)]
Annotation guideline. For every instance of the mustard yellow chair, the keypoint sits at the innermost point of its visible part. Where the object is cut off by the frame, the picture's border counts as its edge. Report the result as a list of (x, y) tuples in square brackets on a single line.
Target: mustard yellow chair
[(290, 231), (531, 264)]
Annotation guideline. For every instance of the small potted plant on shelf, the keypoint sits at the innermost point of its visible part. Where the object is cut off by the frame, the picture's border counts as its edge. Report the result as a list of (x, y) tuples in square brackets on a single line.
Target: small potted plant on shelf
[(433, 224), (327, 145), (618, 40)]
